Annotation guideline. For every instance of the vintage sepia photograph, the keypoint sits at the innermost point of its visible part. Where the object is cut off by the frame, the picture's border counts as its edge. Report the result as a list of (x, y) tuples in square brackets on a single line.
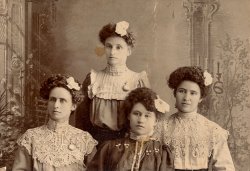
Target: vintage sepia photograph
[(131, 85)]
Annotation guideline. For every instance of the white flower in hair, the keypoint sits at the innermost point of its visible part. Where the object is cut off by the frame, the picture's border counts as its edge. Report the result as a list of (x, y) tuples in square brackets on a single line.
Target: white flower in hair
[(161, 105), (121, 27), (72, 84), (208, 78)]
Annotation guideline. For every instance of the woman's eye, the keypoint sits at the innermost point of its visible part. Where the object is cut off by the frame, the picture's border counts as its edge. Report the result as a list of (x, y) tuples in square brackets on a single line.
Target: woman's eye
[(62, 100), (193, 93), (181, 91), (52, 99), (108, 46), (118, 47), (136, 113)]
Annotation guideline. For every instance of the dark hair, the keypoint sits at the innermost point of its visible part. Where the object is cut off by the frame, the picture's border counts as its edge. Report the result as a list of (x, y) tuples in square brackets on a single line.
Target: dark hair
[(144, 96), (109, 31), (188, 73), (58, 80)]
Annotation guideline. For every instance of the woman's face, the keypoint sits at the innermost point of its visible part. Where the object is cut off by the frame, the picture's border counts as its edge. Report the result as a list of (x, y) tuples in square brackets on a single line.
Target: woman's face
[(188, 96), (142, 121), (117, 51), (60, 104)]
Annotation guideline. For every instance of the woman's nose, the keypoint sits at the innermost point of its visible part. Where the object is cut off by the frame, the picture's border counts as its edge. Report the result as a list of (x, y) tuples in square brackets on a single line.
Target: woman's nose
[(187, 96), (113, 50), (57, 104), (141, 119)]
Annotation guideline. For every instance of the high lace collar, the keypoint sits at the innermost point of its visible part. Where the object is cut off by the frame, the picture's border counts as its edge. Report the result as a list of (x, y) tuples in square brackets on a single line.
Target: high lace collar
[(116, 70), (190, 115), (57, 127), (148, 137)]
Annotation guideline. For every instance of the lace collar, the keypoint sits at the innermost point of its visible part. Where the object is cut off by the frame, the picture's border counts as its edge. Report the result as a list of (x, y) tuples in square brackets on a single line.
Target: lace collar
[(148, 137), (182, 115), (116, 70), (57, 127)]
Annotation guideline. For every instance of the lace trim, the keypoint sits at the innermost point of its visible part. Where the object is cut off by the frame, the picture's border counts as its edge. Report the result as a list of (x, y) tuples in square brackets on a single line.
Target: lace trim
[(117, 70), (195, 135), (106, 86), (148, 137), (57, 148), (57, 127)]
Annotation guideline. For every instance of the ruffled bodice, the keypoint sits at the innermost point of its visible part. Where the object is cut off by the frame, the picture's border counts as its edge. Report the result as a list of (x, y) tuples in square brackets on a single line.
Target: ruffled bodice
[(192, 139), (57, 145), (107, 85), (107, 90)]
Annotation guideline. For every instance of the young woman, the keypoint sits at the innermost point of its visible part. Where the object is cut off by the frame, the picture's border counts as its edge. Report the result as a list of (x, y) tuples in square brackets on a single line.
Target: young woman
[(196, 142), (101, 112), (55, 146), (139, 150)]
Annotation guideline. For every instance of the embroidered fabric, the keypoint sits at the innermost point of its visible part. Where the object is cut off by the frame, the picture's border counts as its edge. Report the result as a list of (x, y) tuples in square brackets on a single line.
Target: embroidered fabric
[(192, 139), (116, 70), (107, 86), (57, 145), (135, 152)]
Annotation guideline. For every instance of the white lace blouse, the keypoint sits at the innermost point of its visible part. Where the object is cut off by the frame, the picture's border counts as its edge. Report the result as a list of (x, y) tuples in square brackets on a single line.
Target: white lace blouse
[(53, 147), (194, 139)]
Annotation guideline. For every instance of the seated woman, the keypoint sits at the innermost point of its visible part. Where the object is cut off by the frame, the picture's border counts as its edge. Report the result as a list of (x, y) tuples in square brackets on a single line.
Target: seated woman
[(140, 150), (101, 113), (55, 146), (196, 142)]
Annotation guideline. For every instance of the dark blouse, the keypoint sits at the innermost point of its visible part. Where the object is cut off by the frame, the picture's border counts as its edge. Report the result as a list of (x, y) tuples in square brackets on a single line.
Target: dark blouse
[(119, 155)]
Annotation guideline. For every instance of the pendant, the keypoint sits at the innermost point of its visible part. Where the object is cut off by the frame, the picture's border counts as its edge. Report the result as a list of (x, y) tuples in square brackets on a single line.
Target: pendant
[(126, 87)]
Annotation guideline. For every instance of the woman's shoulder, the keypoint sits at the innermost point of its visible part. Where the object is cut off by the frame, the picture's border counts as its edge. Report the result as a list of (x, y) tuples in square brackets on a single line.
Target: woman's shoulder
[(83, 136), (26, 139), (140, 77), (33, 132), (215, 129)]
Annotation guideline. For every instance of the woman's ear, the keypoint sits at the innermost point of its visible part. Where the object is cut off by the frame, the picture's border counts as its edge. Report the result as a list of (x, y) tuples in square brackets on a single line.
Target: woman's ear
[(200, 100), (156, 122), (129, 50), (73, 107), (128, 116)]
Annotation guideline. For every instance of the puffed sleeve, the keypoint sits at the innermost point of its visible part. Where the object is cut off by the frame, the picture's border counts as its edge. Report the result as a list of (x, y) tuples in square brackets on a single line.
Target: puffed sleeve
[(82, 120), (143, 80), (167, 162), (23, 161), (23, 158), (90, 143), (100, 160), (221, 157), (88, 146)]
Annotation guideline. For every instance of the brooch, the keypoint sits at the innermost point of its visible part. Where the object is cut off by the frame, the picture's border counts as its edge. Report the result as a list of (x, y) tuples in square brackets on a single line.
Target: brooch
[(126, 87), (72, 147)]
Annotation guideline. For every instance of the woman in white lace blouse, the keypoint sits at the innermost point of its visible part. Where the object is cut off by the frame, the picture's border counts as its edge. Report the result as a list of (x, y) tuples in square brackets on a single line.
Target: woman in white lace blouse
[(196, 142), (55, 146)]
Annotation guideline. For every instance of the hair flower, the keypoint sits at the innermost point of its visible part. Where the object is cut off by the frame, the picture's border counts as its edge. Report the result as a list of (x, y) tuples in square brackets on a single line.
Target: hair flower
[(121, 28), (72, 84), (208, 78), (161, 105)]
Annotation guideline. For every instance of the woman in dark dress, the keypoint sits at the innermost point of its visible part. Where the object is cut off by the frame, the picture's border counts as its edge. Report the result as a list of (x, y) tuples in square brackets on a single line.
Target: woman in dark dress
[(139, 150)]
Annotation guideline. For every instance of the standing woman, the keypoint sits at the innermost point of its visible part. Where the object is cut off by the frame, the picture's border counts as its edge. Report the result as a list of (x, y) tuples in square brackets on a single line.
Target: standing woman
[(196, 142), (55, 146), (101, 112)]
